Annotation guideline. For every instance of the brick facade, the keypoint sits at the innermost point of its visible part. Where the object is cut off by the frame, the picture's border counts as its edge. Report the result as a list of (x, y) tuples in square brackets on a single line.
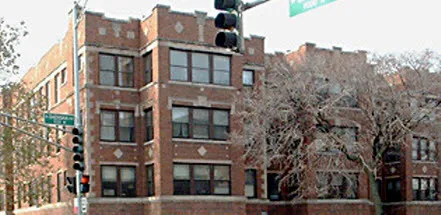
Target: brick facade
[(165, 30)]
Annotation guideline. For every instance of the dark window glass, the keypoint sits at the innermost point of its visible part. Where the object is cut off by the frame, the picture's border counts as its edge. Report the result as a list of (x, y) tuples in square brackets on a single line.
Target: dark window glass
[(178, 65), (57, 88), (148, 75), (248, 77), (221, 73), (126, 126), (128, 183), (393, 154), (180, 120), (201, 123), (201, 68), (425, 189), (250, 183), (59, 186), (424, 149), (201, 175), (393, 190), (149, 124), (273, 187), (181, 179), (116, 70), (220, 124), (150, 180), (118, 181), (337, 186), (63, 76), (108, 125)]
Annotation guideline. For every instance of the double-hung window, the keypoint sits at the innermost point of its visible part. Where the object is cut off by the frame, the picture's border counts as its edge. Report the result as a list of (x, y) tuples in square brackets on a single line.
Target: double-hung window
[(148, 68), (150, 180), (425, 189), (248, 78), (423, 149), (57, 88), (200, 67), (201, 179), (116, 70), (117, 126), (149, 124), (118, 181), (200, 123), (250, 183), (337, 186), (393, 190)]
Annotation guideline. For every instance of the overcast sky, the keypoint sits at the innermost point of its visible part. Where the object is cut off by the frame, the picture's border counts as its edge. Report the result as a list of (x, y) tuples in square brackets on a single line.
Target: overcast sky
[(372, 25)]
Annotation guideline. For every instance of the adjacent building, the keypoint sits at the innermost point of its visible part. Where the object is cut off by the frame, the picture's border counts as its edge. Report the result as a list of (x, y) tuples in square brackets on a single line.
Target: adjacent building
[(158, 104)]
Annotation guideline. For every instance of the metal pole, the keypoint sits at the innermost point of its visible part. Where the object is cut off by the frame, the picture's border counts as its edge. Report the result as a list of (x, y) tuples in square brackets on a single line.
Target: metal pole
[(78, 121), (34, 122)]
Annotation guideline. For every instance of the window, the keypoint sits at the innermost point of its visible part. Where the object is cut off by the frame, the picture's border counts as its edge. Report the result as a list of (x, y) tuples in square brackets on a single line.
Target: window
[(205, 123), (250, 183), (149, 124), (117, 126), (273, 186), (337, 186), (59, 186), (116, 70), (248, 77), (150, 180), (199, 67), (348, 134), (48, 189), (57, 88), (425, 189), (47, 89), (393, 154), (393, 190), (80, 62), (423, 149), (118, 181), (201, 179), (2, 201), (148, 68), (178, 65), (63, 76)]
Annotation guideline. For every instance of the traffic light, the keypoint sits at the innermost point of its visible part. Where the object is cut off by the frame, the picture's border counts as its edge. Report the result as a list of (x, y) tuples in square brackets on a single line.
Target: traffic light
[(230, 36), (85, 184), (72, 185), (78, 149)]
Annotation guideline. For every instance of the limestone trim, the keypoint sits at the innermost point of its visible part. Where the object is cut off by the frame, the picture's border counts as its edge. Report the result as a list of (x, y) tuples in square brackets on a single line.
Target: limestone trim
[(192, 84), (43, 207), (253, 67), (112, 50), (149, 143), (116, 163), (118, 143), (201, 141), (166, 199), (148, 86), (202, 161), (413, 203), (129, 89)]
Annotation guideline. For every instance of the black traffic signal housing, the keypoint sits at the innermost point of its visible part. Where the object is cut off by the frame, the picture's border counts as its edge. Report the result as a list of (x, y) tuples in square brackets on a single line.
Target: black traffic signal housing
[(78, 149), (229, 22), (85, 187), (72, 184)]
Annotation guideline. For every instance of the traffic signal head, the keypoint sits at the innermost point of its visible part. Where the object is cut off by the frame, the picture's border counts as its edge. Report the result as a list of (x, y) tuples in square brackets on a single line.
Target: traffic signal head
[(85, 187), (230, 36), (226, 4), (72, 185), (78, 149)]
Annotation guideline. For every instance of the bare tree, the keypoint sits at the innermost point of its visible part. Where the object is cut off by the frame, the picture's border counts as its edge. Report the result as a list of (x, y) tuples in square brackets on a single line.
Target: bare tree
[(321, 114), (20, 154)]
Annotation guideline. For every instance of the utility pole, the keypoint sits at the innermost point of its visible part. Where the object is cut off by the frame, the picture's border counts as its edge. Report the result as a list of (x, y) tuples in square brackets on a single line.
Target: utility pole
[(78, 120)]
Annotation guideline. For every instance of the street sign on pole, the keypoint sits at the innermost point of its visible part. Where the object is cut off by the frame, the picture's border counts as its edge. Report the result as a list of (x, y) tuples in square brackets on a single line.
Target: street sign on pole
[(300, 6), (59, 119)]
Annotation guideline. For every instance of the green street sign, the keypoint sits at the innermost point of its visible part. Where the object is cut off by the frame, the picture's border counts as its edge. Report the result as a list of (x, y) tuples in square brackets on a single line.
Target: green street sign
[(300, 6), (59, 119)]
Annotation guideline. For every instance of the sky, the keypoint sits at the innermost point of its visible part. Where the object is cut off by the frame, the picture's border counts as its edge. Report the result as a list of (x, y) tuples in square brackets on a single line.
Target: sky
[(379, 26)]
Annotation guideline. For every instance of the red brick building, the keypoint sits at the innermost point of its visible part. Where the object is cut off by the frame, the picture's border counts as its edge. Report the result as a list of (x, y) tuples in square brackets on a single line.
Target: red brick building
[(158, 103)]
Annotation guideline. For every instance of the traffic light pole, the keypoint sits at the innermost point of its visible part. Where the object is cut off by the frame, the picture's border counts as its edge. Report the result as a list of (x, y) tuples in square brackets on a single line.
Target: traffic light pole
[(78, 120), (243, 8)]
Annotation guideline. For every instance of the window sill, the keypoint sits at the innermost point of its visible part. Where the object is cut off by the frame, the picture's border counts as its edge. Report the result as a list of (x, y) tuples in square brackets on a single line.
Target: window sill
[(392, 162), (149, 142), (118, 143), (147, 86), (193, 84), (424, 162), (201, 141), (105, 87)]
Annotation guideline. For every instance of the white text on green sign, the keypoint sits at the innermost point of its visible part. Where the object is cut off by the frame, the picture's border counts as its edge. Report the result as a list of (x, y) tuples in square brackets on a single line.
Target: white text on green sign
[(59, 119), (300, 6)]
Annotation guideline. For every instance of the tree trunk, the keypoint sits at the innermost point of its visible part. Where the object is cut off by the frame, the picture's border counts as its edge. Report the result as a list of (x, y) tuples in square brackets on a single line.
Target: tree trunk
[(7, 156), (375, 193)]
